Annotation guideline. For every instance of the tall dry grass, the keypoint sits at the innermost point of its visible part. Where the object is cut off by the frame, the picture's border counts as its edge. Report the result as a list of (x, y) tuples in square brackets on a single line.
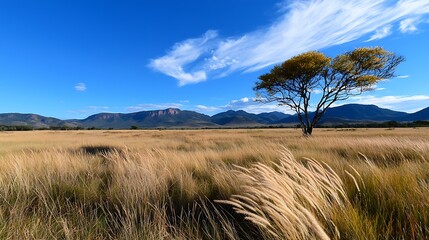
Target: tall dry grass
[(291, 200), (163, 184)]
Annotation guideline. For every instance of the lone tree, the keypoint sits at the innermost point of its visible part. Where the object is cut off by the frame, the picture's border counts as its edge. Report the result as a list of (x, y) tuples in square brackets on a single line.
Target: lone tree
[(298, 79)]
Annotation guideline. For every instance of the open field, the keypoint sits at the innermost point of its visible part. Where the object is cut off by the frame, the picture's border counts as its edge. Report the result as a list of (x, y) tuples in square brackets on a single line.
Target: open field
[(215, 184)]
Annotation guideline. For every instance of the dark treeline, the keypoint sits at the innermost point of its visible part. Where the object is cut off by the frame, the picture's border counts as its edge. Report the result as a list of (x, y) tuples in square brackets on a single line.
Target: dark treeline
[(389, 124), (30, 128)]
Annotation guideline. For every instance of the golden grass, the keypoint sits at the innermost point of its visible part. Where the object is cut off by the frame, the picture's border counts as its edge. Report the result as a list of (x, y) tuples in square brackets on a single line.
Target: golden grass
[(163, 184), (287, 200)]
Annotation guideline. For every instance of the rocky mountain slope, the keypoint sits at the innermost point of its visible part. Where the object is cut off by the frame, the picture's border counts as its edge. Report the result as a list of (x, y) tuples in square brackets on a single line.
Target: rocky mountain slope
[(176, 118)]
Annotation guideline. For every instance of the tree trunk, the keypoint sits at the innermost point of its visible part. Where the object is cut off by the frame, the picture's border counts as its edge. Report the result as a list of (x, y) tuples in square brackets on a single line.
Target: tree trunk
[(306, 130), (306, 126), (309, 130)]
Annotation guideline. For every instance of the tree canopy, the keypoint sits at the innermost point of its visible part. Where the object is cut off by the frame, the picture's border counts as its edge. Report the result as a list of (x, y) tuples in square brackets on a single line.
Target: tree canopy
[(297, 80)]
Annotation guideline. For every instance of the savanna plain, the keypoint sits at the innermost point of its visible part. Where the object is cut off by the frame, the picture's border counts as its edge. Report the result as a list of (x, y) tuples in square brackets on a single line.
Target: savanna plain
[(215, 184)]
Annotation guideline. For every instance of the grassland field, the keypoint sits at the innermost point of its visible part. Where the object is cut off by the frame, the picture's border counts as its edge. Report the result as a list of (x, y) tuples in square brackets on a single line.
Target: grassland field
[(215, 184)]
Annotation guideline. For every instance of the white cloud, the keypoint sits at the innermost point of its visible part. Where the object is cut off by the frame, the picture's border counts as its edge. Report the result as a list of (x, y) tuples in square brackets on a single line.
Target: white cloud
[(409, 25), (302, 26), (247, 104), (381, 33), (377, 88), (152, 106), (369, 99), (267, 107), (98, 108), (89, 110), (316, 91), (245, 99), (403, 76), (80, 87), (242, 100), (181, 55), (207, 109), (399, 103)]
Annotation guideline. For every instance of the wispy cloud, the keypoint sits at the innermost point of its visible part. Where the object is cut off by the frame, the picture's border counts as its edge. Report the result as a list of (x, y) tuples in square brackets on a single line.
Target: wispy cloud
[(302, 26), (182, 54), (403, 76), (381, 33), (377, 88), (316, 91), (89, 110), (153, 106), (399, 103), (207, 109), (409, 104), (247, 104), (409, 25), (80, 87)]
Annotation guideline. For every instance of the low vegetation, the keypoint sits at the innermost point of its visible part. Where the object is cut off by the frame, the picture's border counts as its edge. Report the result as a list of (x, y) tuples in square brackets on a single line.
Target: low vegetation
[(215, 184)]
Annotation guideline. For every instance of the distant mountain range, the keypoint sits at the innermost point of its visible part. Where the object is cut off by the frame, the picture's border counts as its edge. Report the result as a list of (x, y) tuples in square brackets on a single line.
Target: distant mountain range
[(176, 118)]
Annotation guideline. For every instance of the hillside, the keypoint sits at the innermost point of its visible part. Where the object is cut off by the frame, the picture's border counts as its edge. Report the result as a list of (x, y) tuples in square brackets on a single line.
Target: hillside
[(171, 117), (176, 118), (417, 116), (30, 120), (354, 113)]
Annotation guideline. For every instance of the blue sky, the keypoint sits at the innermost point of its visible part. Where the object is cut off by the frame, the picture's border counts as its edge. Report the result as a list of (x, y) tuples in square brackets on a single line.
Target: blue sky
[(71, 59)]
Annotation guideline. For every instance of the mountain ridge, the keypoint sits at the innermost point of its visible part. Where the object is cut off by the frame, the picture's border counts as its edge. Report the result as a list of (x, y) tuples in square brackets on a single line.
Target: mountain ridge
[(176, 118)]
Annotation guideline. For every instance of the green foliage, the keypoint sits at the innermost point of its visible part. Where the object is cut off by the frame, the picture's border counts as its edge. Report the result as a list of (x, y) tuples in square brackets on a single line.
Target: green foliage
[(303, 68), (293, 82), (65, 128), (15, 128), (388, 124)]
